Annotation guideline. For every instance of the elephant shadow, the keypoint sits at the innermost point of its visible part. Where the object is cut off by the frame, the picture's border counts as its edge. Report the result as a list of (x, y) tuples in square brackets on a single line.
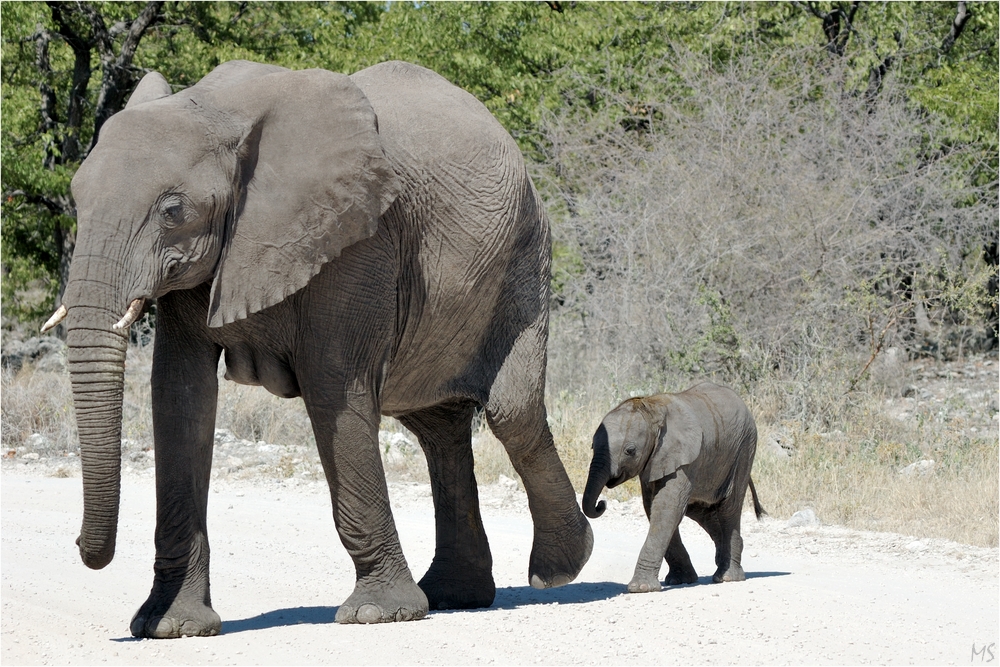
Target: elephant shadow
[(281, 618), (506, 598), (510, 597)]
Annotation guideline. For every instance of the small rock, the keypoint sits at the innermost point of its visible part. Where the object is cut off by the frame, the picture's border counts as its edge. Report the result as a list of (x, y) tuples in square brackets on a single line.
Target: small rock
[(921, 468), (803, 518), (37, 441), (781, 444), (235, 462), (507, 482), (31, 456), (908, 391), (917, 545), (223, 436), (34, 350)]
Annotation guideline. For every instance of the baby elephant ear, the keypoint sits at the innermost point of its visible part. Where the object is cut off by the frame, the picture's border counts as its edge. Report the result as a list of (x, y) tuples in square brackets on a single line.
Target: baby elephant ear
[(678, 443), (311, 180), (152, 87)]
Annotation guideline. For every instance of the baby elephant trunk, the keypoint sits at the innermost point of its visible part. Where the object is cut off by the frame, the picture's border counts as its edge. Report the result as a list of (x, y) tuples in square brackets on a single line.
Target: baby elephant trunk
[(600, 473)]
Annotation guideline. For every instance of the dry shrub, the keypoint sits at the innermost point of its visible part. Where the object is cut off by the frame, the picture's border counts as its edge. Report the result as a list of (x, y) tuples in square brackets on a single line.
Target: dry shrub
[(36, 402), (254, 414), (761, 221)]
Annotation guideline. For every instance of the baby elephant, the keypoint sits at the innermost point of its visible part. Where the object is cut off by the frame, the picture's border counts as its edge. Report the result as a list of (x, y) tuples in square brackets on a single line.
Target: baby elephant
[(693, 452)]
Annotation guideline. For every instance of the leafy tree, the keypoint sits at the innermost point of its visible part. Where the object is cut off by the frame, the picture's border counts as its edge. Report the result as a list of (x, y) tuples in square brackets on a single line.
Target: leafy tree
[(529, 62), (53, 118)]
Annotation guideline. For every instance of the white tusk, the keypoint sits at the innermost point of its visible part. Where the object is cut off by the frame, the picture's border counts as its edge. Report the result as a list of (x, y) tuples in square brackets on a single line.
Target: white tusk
[(56, 318), (131, 315)]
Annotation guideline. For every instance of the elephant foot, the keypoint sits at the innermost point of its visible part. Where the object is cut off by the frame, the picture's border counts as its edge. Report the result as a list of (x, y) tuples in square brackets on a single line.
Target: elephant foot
[(158, 620), (457, 588), (644, 584), (557, 556), (733, 573), (679, 577), (373, 602)]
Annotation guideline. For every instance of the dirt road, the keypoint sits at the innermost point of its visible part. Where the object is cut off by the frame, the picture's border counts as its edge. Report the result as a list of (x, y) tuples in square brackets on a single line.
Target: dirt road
[(814, 595)]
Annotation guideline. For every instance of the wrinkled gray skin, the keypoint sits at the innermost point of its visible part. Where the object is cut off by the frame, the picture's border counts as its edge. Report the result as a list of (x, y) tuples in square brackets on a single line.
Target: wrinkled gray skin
[(693, 452), (395, 264)]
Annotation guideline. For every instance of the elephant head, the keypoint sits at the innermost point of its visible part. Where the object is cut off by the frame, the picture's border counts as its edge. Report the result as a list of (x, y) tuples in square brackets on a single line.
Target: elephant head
[(648, 435), (254, 166)]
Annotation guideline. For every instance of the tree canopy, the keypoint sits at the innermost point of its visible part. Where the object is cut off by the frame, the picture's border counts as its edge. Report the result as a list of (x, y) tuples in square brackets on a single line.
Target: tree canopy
[(67, 67)]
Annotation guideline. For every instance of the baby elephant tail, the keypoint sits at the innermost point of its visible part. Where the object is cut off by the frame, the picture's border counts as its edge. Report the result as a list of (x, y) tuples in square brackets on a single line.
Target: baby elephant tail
[(758, 510)]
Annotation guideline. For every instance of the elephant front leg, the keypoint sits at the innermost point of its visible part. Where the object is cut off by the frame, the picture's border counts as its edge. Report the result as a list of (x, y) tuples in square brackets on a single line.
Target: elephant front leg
[(461, 574), (678, 560), (347, 436), (184, 393), (668, 500)]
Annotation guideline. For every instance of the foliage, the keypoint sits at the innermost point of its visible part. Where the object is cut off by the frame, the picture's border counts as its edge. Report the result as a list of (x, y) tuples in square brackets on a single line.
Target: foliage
[(623, 71)]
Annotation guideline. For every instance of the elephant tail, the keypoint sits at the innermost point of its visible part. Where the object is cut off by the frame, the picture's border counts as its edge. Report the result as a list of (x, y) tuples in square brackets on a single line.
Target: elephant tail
[(758, 510)]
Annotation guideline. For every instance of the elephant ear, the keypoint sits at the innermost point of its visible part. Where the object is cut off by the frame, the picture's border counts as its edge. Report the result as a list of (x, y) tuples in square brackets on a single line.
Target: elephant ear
[(311, 177), (152, 87), (678, 442)]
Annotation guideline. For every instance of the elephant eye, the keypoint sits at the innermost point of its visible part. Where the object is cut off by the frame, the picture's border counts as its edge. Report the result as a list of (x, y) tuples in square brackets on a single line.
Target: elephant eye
[(630, 450), (172, 211)]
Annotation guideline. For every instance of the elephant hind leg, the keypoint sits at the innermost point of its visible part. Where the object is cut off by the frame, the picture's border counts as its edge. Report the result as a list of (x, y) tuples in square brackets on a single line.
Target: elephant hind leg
[(722, 523), (346, 429), (563, 539), (461, 574)]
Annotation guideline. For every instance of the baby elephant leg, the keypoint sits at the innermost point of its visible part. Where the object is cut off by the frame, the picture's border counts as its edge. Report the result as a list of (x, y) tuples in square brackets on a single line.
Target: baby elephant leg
[(681, 570), (722, 523), (668, 499)]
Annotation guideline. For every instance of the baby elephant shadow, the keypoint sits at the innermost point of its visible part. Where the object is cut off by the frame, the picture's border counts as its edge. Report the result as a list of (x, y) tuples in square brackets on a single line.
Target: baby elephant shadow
[(708, 579)]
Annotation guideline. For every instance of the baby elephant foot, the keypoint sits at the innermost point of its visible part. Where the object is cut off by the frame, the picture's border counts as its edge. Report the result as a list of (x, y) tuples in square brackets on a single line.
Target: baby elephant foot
[(558, 555), (733, 573), (155, 620), (458, 588), (644, 584), (383, 603), (678, 577)]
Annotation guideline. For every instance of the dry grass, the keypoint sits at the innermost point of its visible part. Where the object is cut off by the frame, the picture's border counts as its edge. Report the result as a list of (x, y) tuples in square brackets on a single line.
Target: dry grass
[(848, 446), (37, 403)]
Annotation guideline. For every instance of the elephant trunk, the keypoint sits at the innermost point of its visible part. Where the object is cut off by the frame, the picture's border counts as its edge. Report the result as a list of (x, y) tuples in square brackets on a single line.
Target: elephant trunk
[(600, 473), (96, 361)]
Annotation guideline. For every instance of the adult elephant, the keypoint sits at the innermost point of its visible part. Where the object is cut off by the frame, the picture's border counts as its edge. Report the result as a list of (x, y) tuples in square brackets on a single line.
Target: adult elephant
[(371, 243)]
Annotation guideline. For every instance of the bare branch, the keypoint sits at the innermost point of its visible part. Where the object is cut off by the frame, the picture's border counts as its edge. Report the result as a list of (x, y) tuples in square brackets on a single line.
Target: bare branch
[(54, 206), (838, 23), (962, 17), (118, 76), (811, 8), (81, 46), (49, 110)]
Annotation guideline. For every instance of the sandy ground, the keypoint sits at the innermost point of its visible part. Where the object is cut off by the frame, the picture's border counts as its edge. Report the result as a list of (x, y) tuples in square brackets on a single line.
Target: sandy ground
[(814, 595)]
